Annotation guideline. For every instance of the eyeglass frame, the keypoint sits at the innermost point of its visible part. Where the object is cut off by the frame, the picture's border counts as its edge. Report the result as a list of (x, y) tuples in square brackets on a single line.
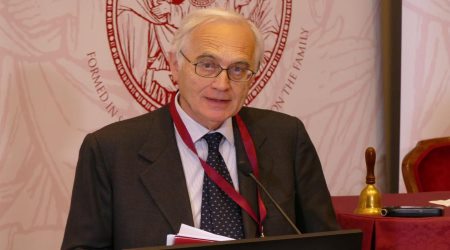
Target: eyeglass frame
[(219, 72)]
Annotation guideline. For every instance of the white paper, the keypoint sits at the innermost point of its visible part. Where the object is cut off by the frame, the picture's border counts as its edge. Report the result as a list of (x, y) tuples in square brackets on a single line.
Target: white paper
[(192, 232), (170, 239), (442, 202)]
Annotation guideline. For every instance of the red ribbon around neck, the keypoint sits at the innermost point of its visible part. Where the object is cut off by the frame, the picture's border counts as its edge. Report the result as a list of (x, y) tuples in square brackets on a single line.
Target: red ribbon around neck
[(215, 176)]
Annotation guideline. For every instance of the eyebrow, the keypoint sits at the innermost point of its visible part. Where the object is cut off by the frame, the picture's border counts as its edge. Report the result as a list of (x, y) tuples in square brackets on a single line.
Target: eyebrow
[(209, 56)]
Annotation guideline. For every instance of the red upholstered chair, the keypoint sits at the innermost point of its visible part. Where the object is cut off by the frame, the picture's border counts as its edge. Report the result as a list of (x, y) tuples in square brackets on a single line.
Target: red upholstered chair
[(427, 166)]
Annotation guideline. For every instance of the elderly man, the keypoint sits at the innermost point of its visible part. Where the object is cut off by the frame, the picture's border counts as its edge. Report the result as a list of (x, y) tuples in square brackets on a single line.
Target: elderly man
[(140, 179)]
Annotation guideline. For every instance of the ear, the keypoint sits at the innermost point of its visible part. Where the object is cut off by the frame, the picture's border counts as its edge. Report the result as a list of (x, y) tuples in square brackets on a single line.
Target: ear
[(174, 65)]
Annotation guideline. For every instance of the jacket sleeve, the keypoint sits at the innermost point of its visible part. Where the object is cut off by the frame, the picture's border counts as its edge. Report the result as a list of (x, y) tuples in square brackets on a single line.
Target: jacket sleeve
[(314, 209), (89, 224)]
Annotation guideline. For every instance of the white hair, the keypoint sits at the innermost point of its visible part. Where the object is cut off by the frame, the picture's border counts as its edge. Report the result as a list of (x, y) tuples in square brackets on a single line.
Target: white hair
[(204, 16)]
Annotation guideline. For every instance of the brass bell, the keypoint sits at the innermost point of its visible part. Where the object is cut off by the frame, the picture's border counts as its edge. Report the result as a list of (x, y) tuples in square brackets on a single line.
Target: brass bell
[(370, 198)]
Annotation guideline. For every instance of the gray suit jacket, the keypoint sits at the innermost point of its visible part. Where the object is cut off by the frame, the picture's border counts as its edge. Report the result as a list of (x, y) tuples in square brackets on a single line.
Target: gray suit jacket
[(130, 189)]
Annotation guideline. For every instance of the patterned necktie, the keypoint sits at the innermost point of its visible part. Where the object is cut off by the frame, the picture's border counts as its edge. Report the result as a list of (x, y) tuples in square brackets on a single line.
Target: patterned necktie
[(219, 213)]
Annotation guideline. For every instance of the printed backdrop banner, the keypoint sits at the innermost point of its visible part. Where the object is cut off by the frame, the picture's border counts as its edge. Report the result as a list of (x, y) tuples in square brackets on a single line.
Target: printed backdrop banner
[(425, 92), (70, 67)]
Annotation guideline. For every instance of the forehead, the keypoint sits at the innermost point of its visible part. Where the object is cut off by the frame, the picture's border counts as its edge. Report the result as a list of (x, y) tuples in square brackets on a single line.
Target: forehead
[(227, 41)]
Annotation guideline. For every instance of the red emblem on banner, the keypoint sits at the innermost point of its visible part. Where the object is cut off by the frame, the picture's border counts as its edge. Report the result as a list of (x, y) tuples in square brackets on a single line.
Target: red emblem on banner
[(139, 35)]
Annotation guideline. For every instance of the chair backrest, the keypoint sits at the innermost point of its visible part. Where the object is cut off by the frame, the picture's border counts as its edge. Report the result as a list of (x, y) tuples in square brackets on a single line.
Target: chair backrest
[(427, 166)]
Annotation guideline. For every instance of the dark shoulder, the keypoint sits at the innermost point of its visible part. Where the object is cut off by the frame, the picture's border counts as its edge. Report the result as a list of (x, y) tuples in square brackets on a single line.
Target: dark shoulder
[(135, 128), (268, 118), (275, 126)]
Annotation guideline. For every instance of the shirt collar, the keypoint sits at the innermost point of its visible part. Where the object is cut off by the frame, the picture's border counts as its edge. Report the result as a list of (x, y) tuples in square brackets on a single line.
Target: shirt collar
[(197, 131)]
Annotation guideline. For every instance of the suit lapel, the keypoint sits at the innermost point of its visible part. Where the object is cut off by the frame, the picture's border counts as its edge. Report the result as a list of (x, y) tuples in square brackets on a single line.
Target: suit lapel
[(164, 177), (247, 186), (263, 149)]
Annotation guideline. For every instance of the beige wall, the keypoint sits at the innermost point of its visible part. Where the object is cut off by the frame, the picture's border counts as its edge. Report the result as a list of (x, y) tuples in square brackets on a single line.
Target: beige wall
[(425, 95)]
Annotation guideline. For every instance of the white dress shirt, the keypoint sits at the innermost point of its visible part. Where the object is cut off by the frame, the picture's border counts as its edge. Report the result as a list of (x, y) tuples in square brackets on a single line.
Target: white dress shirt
[(193, 170)]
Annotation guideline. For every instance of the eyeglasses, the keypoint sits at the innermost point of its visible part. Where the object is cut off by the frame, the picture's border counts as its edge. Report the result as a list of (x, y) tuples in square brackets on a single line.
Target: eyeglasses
[(208, 68)]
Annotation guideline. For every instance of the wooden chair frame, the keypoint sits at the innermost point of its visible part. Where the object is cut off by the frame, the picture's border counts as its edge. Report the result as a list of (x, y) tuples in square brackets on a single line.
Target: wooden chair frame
[(411, 160)]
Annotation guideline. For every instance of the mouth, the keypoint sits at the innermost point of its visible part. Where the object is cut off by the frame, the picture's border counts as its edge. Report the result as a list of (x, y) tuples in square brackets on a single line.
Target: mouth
[(217, 100)]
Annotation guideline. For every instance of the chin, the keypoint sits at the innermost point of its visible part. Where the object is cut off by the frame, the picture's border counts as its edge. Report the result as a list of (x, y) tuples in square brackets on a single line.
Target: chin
[(217, 119), (217, 113)]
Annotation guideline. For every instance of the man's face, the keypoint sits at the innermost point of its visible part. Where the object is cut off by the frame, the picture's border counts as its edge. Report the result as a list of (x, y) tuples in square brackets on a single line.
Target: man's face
[(210, 101)]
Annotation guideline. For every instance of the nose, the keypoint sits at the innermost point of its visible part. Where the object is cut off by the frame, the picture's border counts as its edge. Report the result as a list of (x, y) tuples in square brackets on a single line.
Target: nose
[(221, 82)]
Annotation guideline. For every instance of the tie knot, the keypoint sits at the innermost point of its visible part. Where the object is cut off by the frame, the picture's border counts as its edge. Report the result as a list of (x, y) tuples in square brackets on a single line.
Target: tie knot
[(213, 140)]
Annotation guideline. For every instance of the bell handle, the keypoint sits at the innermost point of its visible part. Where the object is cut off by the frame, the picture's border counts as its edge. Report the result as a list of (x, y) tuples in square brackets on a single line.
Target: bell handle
[(370, 163)]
